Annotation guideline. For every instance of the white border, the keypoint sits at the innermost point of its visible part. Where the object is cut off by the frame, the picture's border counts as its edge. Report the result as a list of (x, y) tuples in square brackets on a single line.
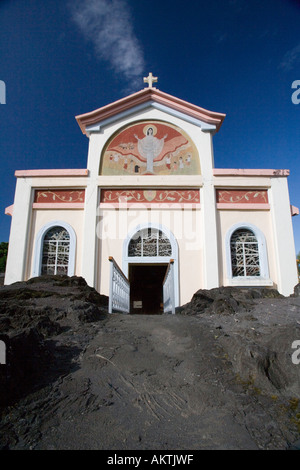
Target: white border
[(126, 260), (97, 127), (38, 251), (263, 279)]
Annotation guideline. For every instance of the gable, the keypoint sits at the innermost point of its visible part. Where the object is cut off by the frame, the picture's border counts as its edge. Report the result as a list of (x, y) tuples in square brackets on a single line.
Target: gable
[(156, 99)]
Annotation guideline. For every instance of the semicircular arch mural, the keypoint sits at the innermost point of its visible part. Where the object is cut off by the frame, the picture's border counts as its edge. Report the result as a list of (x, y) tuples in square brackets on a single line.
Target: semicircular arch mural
[(150, 148)]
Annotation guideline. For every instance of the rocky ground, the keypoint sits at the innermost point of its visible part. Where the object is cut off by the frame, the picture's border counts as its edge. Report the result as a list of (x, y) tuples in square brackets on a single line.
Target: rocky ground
[(217, 375)]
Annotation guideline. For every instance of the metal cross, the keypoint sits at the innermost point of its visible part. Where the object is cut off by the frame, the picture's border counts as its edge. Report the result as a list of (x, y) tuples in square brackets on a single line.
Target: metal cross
[(150, 80)]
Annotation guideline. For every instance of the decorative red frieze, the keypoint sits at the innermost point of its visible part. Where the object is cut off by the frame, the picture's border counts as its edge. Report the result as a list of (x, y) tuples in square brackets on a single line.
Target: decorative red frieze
[(168, 196), (242, 196), (59, 196)]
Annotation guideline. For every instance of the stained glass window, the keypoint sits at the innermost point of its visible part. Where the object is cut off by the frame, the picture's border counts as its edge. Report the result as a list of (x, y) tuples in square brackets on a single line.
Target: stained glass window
[(148, 243), (56, 249), (244, 254)]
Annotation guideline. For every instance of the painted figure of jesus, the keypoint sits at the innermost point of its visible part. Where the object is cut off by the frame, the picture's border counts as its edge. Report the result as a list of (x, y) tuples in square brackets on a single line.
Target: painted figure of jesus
[(150, 147)]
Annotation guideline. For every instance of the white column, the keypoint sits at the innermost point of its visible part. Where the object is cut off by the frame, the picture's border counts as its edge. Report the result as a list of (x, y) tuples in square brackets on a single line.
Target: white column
[(19, 232), (89, 249), (210, 242), (209, 219), (284, 244)]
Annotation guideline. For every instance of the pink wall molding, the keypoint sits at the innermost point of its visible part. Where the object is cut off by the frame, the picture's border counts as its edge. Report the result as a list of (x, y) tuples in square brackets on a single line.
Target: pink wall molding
[(242, 196), (48, 173), (59, 196), (248, 172)]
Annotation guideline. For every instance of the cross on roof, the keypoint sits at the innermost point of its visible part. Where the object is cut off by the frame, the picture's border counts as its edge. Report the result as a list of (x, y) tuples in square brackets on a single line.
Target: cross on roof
[(150, 80)]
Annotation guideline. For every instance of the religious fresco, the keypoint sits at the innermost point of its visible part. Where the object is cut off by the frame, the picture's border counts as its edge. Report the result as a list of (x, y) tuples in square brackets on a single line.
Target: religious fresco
[(150, 148)]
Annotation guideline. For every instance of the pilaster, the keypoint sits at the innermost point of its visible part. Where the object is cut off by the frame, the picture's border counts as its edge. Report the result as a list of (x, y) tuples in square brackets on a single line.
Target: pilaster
[(89, 249), (19, 232), (209, 219), (283, 236)]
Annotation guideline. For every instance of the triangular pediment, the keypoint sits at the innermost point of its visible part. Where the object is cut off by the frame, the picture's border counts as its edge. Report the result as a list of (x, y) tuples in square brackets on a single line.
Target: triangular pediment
[(149, 97)]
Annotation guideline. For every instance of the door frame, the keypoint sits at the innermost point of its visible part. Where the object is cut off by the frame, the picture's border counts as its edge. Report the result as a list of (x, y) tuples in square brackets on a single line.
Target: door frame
[(126, 260)]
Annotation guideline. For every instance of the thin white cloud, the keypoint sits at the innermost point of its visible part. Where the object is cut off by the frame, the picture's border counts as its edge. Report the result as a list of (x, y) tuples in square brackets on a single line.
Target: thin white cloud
[(107, 24), (291, 59)]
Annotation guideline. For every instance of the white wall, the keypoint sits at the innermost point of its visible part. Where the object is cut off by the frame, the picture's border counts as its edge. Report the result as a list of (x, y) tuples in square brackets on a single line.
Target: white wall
[(185, 226)]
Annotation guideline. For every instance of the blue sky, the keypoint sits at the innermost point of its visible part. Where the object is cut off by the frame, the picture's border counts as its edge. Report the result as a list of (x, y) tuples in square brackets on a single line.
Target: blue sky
[(59, 59)]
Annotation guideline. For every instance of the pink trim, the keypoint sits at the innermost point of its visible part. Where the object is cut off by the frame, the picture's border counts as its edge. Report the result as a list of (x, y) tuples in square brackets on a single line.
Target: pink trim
[(59, 205), (9, 210), (248, 172), (63, 172), (242, 196), (294, 210), (65, 195), (143, 96), (158, 196), (235, 206)]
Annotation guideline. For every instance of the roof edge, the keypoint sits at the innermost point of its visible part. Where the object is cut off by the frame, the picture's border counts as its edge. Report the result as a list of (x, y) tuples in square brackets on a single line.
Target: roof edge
[(142, 96)]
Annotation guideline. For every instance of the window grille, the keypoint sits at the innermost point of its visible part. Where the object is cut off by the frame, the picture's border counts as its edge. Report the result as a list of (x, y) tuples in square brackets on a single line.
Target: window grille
[(149, 243), (56, 249), (244, 254)]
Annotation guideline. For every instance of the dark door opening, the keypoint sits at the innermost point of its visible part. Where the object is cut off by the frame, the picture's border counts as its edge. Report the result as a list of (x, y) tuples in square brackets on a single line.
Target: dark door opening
[(146, 288)]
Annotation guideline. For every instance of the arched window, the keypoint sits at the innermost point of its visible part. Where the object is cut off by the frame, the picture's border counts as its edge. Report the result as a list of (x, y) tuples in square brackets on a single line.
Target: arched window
[(244, 253), (56, 249), (149, 242), (246, 256)]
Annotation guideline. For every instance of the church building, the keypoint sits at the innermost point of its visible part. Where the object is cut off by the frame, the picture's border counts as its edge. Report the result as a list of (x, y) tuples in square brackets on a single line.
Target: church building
[(150, 220)]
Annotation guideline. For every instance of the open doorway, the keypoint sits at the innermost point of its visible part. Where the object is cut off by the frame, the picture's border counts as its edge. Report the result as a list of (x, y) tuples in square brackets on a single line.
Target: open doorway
[(146, 288)]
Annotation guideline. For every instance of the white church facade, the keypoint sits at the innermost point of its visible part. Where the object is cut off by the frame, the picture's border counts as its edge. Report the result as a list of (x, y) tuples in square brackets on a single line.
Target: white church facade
[(151, 205)]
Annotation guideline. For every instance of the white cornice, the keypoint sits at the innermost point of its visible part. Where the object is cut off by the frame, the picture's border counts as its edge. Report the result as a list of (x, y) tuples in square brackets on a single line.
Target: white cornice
[(144, 106)]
